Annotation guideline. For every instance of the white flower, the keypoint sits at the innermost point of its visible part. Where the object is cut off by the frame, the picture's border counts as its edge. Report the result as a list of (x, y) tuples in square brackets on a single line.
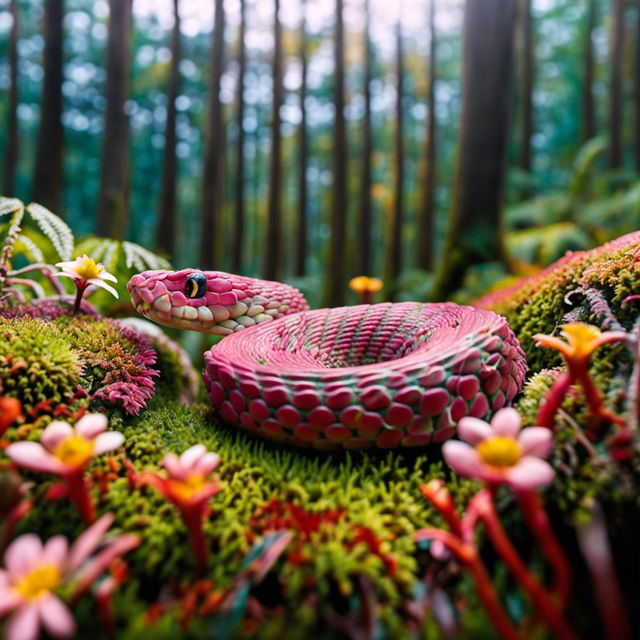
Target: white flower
[(85, 271)]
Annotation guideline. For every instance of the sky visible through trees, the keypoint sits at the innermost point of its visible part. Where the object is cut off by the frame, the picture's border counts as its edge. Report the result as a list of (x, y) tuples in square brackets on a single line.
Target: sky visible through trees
[(399, 43)]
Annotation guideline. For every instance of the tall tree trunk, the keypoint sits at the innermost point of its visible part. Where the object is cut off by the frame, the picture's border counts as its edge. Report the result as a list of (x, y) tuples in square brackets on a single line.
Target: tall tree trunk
[(113, 199), (475, 225), (394, 258), (614, 157), (588, 102), (301, 243), (11, 155), (48, 174), (212, 182), (426, 222), (365, 222), (273, 245), (166, 230), (636, 90), (334, 296), (527, 87), (239, 213)]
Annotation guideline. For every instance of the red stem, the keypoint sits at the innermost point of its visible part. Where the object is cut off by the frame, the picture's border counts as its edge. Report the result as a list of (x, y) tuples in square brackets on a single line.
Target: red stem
[(78, 492), (80, 289), (553, 401), (193, 521), (468, 555), (538, 522), (552, 616), (594, 401)]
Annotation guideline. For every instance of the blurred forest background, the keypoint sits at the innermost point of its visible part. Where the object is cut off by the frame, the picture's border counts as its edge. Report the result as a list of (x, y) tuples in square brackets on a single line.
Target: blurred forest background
[(313, 141)]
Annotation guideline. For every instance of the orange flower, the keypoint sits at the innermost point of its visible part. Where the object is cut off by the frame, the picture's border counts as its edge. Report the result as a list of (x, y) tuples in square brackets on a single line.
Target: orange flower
[(10, 411), (365, 288)]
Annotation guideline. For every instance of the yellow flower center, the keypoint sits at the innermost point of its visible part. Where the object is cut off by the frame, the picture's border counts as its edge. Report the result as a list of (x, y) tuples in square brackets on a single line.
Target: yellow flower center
[(186, 490), (581, 337), (87, 268), (75, 451), (39, 582), (500, 451)]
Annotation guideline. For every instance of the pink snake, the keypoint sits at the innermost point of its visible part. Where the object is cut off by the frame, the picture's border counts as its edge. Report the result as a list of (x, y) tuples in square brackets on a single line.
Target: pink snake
[(384, 375)]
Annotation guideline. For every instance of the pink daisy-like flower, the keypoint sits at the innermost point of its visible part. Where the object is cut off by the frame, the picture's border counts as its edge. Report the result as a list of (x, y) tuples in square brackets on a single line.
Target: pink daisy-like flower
[(86, 271), (65, 449), (34, 571), (501, 453)]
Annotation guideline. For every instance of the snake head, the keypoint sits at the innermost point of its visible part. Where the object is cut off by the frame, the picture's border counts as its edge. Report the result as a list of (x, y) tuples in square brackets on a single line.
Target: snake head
[(210, 301)]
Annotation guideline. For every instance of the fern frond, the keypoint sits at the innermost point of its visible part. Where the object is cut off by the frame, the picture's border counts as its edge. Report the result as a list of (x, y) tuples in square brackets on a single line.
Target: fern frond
[(54, 228), (9, 205), (29, 248), (139, 258)]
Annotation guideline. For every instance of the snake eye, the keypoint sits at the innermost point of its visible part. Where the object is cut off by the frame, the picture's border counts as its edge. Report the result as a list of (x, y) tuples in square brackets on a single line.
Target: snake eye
[(196, 285)]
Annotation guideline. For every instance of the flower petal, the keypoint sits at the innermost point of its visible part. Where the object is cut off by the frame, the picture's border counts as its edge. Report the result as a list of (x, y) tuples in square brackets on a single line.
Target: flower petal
[(506, 422), (9, 600), (536, 441), (172, 464), (107, 442), (75, 276), (91, 425), (529, 473), (105, 275), (463, 459), (88, 541), (23, 624), (55, 551), (207, 463), (101, 283), (32, 455), (56, 618), (474, 430), (55, 433), (189, 457), (22, 554)]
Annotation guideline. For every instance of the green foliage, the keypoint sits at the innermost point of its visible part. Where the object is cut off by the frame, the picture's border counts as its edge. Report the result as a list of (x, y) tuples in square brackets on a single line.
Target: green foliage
[(543, 245), (37, 363)]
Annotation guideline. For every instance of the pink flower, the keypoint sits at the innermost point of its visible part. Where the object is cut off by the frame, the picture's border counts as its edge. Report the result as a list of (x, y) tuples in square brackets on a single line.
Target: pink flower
[(66, 449), (85, 271), (500, 453), (33, 572)]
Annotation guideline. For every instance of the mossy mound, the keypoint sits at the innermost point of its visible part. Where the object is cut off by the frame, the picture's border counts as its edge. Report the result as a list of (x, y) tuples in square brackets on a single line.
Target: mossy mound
[(539, 303)]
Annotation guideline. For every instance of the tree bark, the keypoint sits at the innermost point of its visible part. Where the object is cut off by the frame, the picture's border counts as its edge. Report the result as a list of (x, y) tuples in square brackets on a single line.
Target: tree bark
[(11, 155), (426, 223), (365, 225), (475, 232), (114, 179), (394, 258), (237, 253), (166, 230), (334, 296), (48, 174), (527, 87), (614, 156), (212, 180), (588, 102), (301, 243), (273, 245)]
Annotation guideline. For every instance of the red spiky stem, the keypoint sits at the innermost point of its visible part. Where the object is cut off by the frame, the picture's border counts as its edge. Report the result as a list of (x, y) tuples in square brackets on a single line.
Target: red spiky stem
[(78, 492), (192, 519), (553, 401)]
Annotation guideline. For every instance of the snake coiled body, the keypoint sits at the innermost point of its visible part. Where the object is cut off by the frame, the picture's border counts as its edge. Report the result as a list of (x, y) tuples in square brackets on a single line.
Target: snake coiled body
[(384, 375)]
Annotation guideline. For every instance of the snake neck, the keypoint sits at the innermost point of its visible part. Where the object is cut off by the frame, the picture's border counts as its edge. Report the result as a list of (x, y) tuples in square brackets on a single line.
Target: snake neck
[(211, 301)]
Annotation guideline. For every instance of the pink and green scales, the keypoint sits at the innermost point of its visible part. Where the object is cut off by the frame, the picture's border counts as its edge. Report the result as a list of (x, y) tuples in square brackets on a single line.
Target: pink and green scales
[(385, 375)]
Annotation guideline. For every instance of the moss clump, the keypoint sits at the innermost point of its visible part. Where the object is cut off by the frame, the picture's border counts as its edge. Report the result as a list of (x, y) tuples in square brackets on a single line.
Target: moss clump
[(539, 304), (37, 363)]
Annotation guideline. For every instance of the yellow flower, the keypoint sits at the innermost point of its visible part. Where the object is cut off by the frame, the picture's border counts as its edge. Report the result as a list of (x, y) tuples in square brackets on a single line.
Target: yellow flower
[(86, 271), (365, 287)]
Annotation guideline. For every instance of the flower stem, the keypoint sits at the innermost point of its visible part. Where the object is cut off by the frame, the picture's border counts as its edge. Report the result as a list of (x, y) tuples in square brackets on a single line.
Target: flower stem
[(595, 403), (537, 520), (80, 289), (553, 401), (78, 489), (193, 521), (546, 607)]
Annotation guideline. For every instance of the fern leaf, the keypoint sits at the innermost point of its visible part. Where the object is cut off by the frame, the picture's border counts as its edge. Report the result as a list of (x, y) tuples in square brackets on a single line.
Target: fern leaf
[(9, 205), (29, 248), (54, 228)]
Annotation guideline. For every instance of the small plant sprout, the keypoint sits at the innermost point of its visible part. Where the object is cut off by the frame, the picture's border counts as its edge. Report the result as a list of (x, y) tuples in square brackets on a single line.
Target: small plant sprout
[(189, 486), (34, 572), (85, 272), (66, 451), (365, 288), (501, 453), (581, 340)]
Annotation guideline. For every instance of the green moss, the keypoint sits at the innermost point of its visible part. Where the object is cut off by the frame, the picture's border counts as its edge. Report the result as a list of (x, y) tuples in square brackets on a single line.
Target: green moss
[(36, 362)]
